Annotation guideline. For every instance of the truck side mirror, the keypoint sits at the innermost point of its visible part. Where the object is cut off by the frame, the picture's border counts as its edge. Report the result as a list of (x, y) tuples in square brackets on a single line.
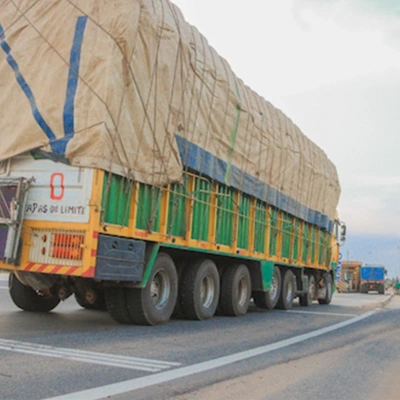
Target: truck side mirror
[(343, 233)]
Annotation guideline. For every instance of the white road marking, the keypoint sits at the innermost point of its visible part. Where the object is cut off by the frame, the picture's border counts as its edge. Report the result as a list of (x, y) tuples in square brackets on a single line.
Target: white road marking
[(141, 364), (321, 313), (162, 377)]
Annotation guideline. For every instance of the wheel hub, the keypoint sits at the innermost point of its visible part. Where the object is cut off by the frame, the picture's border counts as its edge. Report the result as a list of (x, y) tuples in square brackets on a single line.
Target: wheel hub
[(160, 289), (207, 291), (243, 291), (274, 288), (289, 292)]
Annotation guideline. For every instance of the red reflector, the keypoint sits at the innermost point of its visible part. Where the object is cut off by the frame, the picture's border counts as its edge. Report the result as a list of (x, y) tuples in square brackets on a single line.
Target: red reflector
[(67, 240), (67, 252), (67, 246)]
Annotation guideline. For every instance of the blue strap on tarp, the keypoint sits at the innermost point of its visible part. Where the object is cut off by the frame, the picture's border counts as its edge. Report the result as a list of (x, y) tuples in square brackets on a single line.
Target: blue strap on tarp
[(202, 161), (25, 87), (58, 146), (73, 75)]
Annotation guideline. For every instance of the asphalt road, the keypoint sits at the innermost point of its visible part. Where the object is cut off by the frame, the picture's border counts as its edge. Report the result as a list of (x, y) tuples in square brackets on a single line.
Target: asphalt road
[(348, 350)]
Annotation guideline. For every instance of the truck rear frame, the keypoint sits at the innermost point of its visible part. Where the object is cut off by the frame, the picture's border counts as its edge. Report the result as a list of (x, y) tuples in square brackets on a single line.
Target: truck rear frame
[(142, 251)]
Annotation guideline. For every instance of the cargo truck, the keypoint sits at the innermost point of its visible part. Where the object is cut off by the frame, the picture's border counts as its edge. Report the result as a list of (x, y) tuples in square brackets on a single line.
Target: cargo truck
[(141, 176), (372, 278)]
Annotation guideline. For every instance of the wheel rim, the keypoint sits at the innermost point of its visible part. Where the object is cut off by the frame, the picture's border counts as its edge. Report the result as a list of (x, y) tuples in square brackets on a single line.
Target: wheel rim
[(243, 291), (289, 291), (328, 289), (207, 291), (273, 293), (160, 289), (311, 288)]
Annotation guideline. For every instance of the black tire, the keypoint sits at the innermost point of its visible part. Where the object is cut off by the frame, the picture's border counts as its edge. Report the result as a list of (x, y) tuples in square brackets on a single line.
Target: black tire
[(286, 297), (382, 289), (98, 305), (235, 291), (306, 299), (27, 299), (364, 289), (199, 290), (154, 304), (115, 299), (328, 283), (269, 300)]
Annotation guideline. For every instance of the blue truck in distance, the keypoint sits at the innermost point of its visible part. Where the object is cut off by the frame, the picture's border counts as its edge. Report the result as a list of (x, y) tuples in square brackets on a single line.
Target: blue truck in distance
[(372, 277)]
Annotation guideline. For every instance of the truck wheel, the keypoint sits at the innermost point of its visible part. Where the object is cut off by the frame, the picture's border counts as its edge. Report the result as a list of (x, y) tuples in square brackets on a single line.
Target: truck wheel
[(235, 291), (364, 289), (382, 289), (269, 300), (98, 305), (306, 299), (328, 292), (286, 297), (154, 304), (27, 299), (115, 299), (199, 290)]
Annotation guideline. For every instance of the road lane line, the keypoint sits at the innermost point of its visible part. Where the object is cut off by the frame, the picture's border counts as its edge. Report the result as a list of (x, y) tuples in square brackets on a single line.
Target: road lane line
[(135, 363), (43, 347), (166, 376), (321, 313)]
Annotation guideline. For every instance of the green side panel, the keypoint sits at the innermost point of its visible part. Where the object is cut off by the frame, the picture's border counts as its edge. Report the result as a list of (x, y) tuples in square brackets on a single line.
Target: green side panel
[(306, 243), (244, 222), (328, 249), (267, 271), (148, 208), (260, 226), (321, 240), (296, 232), (201, 209), (116, 199), (286, 233), (274, 232), (225, 214), (313, 243), (176, 225)]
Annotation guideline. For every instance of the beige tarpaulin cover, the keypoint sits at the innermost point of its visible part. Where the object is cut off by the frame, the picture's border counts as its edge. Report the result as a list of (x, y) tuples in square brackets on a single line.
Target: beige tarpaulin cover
[(129, 86)]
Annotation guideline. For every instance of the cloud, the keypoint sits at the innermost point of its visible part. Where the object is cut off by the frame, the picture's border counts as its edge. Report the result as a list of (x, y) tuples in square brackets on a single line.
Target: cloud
[(379, 181), (351, 40), (371, 208)]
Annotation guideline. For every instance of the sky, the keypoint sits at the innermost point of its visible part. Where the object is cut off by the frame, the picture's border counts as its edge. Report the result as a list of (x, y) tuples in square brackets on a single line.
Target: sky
[(333, 67)]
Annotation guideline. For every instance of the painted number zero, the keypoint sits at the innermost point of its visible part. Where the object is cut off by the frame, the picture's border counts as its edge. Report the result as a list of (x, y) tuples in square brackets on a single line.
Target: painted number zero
[(57, 186)]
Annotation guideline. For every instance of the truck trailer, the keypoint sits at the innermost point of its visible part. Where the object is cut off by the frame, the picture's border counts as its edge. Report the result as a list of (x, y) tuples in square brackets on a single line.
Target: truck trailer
[(141, 176), (372, 278)]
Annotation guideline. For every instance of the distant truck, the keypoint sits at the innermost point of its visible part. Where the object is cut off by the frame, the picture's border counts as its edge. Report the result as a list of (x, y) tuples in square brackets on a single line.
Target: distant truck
[(372, 278)]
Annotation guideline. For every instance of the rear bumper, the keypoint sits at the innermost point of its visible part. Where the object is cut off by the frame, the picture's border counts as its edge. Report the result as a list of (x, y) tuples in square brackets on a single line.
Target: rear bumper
[(372, 285), (65, 250)]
